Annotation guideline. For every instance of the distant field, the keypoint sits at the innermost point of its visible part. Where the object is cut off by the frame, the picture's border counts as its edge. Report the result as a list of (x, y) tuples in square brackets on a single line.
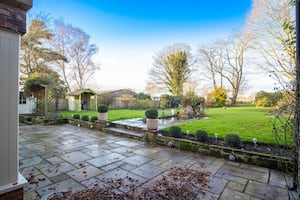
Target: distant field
[(116, 114), (248, 122)]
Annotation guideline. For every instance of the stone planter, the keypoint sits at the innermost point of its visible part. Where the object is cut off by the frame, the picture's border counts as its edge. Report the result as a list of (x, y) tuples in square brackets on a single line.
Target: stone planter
[(152, 124), (102, 116)]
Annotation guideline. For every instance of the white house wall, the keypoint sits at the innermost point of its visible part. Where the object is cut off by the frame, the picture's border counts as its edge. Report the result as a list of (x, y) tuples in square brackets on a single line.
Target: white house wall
[(27, 108)]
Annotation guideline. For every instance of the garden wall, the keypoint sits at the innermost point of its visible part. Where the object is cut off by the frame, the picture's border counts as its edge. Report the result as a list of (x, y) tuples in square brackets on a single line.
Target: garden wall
[(240, 155)]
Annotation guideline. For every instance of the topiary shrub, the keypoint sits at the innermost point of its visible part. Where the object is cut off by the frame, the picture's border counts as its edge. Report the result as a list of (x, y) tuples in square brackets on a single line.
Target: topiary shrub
[(76, 116), (85, 118), (102, 108), (233, 140), (201, 135), (151, 113), (175, 131), (93, 119)]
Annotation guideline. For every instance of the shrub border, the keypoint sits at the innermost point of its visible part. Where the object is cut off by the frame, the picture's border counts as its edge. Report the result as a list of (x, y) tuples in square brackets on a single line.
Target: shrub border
[(249, 157)]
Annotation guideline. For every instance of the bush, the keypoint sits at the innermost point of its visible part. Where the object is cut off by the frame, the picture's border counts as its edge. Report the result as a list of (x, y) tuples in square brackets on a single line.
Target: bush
[(151, 113), (76, 116), (93, 119), (175, 131), (142, 104), (102, 108), (201, 135), (85, 118), (233, 140)]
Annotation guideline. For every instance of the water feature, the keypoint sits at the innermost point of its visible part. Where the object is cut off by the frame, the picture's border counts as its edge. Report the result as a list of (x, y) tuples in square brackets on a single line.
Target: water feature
[(162, 122)]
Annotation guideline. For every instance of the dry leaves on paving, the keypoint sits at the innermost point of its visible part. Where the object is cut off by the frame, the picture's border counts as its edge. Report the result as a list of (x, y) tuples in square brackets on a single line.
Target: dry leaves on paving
[(176, 185)]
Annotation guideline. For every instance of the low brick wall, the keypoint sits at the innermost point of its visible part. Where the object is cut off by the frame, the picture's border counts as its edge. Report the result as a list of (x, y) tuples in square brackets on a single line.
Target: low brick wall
[(29, 119), (240, 155)]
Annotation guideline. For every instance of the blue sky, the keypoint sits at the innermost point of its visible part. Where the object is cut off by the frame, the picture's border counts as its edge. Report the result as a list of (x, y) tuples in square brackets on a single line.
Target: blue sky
[(128, 32)]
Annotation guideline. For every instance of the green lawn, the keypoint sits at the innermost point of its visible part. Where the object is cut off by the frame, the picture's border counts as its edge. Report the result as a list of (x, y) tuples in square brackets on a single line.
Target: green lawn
[(115, 114), (248, 122)]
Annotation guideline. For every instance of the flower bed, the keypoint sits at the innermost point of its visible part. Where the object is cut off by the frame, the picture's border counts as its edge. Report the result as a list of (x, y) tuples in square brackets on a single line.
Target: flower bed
[(240, 155), (43, 120)]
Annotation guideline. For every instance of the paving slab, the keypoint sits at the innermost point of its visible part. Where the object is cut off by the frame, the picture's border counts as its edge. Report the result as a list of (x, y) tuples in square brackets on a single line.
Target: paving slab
[(66, 157), (229, 194), (75, 157), (106, 159), (66, 185), (55, 170), (112, 166), (128, 179), (246, 172), (36, 182), (136, 160), (148, 171), (129, 143), (216, 185), (31, 161), (122, 150), (93, 183), (85, 173), (236, 186), (265, 191), (279, 179)]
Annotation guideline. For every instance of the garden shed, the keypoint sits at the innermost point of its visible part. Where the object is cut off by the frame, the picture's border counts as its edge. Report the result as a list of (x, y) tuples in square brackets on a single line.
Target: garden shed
[(82, 99), (117, 98)]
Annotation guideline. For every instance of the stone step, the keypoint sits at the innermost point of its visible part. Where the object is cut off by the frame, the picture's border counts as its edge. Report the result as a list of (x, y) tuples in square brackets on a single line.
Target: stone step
[(126, 126), (124, 132)]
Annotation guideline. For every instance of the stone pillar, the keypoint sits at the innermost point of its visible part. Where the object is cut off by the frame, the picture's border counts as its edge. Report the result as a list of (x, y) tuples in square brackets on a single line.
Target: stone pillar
[(12, 25)]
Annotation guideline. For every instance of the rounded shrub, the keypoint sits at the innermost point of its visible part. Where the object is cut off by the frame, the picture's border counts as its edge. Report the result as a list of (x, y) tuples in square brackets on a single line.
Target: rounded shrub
[(175, 131), (93, 118), (151, 113), (233, 140), (85, 118), (76, 116), (102, 108), (201, 135)]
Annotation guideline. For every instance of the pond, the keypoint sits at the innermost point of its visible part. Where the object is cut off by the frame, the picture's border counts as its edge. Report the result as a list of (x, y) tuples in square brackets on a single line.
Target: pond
[(162, 122)]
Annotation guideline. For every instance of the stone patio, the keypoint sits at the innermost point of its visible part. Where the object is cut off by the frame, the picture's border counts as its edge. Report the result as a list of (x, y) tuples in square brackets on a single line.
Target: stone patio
[(60, 158)]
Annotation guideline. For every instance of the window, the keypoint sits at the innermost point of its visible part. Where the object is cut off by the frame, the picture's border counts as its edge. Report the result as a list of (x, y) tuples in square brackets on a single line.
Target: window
[(22, 98)]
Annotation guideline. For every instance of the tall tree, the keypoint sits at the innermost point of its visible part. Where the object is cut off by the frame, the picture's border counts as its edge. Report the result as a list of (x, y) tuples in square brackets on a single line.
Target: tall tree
[(171, 68), (235, 48), (223, 63), (211, 61), (74, 44), (271, 23), (36, 55)]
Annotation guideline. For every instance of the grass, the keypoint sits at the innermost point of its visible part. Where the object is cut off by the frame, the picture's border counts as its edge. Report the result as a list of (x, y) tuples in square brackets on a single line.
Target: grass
[(115, 114), (248, 122)]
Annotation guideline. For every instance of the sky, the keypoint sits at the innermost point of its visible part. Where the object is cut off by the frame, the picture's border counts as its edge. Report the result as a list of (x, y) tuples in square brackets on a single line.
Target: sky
[(129, 32)]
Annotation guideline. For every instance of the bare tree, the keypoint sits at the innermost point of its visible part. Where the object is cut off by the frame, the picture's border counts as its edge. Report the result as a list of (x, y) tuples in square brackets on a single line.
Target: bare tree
[(171, 69), (235, 48), (271, 25), (224, 62), (210, 59), (74, 44)]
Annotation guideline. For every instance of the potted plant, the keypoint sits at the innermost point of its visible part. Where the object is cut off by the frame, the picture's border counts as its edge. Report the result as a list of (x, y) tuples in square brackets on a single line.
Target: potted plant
[(102, 112), (151, 119)]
